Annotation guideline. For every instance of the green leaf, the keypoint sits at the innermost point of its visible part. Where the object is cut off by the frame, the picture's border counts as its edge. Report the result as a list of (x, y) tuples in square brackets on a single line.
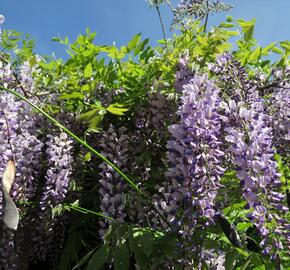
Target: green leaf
[(246, 264), (88, 156), (227, 25), (73, 95), (98, 259), (247, 28), (147, 243), (285, 45), (46, 80), (277, 50), (230, 18), (133, 42), (266, 50), (56, 211), (256, 260), (92, 117), (135, 244), (88, 116), (88, 71), (84, 259), (162, 41), (243, 226), (86, 87), (121, 259), (57, 39), (231, 258), (70, 251), (141, 258), (255, 55), (116, 109), (231, 33)]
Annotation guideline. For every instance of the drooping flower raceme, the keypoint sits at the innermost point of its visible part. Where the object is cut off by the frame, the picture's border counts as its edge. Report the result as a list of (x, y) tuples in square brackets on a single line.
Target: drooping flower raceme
[(55, 187), (59, 153), (23, 140), (19, 141), (279, 110), (112, 188), (183, 73), (194, 158), (251, 151), (232, 77)]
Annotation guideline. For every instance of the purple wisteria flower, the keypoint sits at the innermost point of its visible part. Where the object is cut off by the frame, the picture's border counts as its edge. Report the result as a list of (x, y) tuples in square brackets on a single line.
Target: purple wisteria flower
[(183, 73), (114, 145), (232, 77), (194, 159), (19, 142), (279, 110), (152, 119), (250, 139), (59, 153), (55, 187)]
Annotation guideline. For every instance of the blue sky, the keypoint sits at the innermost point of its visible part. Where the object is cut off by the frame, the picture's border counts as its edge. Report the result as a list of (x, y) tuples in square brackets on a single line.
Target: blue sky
[(119, 20)]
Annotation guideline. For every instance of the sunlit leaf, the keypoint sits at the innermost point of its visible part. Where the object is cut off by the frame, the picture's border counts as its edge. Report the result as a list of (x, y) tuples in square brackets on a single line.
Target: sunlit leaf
[(88, 71), (116, 109)]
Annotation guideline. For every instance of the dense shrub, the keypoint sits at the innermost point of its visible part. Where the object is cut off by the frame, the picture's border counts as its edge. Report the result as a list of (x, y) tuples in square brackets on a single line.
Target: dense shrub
[(199, 132)]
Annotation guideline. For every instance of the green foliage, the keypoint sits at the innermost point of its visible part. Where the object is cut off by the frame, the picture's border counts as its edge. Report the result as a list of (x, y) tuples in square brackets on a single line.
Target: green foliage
[(124, 76), (128, 244)]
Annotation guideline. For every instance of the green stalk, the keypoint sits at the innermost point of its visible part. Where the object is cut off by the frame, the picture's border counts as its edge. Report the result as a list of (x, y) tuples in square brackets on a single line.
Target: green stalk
[(206, 17), (87, 211), (161, 22), (79, 140)]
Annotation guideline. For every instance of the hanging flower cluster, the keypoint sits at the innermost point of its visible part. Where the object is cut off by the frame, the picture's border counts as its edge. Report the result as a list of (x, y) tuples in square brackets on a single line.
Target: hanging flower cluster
[(183, 73), (55, 187), (20, 143), (112, 189), (229, 126), (43, 168), (226, 121), (194, 160), (252, 152), (280, 111)]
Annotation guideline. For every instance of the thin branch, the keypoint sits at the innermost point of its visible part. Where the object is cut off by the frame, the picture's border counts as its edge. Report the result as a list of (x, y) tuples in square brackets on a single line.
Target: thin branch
[(161, 22), (87, 211), (206, 17)]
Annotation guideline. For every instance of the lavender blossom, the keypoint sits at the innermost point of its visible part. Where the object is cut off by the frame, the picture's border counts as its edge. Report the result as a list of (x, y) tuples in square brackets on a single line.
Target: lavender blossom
[(279, 110), (2, 19), (251, 150), (194, 159), (26, 74), (57, 180), (112, 188), (233, 79), (59, 153), (183, 74), (18, 136), (213, 260), (153, 117)]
